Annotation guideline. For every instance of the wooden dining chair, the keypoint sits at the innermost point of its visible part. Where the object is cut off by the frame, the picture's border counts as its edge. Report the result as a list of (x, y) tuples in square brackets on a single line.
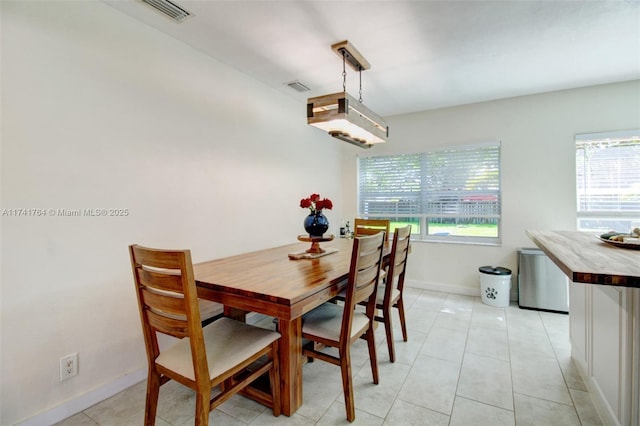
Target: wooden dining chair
[(340, 326), (389, 293), (390, 296), (370, 226), (204, 357)]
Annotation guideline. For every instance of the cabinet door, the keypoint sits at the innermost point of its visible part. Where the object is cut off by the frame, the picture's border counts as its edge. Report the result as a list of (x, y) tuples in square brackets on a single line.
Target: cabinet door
[(607, 339)]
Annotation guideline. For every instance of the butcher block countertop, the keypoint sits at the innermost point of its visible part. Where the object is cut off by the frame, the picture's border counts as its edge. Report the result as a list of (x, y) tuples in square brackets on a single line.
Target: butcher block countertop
[(584, 258)]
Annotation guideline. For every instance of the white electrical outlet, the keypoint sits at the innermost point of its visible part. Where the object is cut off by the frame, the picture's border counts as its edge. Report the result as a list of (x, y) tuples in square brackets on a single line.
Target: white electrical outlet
[(68, 366)]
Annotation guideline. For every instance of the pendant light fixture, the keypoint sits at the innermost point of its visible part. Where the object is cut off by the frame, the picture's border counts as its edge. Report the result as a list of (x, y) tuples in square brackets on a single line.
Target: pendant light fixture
[(343, 116)]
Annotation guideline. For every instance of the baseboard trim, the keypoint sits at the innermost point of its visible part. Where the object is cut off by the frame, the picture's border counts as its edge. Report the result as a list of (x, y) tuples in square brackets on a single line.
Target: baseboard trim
[(603, 408), (445, 288), (597, 397), (84, 401)]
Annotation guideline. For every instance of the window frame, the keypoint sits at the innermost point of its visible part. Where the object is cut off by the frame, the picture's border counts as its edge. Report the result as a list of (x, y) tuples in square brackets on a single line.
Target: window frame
[(423, 217), (584, 214)]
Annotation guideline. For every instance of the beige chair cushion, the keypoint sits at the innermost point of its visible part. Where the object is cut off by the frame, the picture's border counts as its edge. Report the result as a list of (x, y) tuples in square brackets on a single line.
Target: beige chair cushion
[(395, 293), (209, 309), (325, 321), (228, 342)]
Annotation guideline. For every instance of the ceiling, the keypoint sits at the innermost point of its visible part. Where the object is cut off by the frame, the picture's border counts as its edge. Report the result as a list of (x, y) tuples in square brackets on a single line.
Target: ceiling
[(423, 54)]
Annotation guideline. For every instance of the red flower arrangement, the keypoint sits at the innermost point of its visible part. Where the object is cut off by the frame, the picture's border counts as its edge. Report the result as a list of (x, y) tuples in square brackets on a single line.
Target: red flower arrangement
[(314, 203)]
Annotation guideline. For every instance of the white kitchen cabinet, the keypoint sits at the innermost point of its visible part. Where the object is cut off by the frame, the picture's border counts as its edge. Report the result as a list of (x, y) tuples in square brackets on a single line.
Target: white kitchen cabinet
[(604, 318), (603, 328)]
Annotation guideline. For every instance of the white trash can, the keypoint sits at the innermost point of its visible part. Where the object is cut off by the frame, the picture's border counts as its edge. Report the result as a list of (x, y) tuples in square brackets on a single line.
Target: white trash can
[(495, 285)]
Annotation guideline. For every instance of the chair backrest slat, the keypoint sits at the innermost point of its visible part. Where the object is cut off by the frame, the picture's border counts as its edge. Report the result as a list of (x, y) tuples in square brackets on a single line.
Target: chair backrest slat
[(366, 285), (165, 259), (368, 259), (167, 325), (164, 303), (166, 279), (370, 226), (360, 231), (366, 277)]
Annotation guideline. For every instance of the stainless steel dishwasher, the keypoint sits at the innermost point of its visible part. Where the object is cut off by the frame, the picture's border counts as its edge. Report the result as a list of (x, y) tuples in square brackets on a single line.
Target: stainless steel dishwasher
[(541, 284)]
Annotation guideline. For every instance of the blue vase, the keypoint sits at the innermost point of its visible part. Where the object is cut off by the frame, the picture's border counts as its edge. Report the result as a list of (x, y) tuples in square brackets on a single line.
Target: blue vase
[(316, 224)]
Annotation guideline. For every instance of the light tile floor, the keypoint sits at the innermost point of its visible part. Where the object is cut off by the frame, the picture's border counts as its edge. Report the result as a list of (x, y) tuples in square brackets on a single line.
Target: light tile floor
[(465, 363)]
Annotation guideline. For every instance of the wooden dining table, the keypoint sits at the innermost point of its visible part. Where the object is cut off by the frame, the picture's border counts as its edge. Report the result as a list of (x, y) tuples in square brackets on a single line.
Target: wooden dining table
[(269, 282)]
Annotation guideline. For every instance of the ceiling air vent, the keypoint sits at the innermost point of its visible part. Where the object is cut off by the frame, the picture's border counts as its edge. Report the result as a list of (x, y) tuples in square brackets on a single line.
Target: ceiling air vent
[(170, 9), (296, 85)]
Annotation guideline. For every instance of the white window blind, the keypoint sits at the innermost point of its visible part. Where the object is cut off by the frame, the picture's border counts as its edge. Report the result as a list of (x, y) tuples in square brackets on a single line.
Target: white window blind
[(390, 185), (608, 180), (448, 194), (463, 182)]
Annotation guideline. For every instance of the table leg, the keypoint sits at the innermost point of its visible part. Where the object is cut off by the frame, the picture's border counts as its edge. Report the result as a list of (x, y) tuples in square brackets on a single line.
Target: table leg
[(291, 364), (236, 314)]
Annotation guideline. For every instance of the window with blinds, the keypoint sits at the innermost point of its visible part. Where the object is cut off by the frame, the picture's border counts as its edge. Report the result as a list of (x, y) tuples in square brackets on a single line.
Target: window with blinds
[(608, 181), (451, 194)]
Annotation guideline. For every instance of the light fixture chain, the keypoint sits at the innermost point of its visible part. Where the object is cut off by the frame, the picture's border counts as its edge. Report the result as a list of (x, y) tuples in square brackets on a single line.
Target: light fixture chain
[(360, 73), (344, 72)]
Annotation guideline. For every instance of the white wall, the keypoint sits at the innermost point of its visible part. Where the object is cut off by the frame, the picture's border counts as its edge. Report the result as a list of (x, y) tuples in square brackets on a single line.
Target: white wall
[(538, 169), (101, 111)]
